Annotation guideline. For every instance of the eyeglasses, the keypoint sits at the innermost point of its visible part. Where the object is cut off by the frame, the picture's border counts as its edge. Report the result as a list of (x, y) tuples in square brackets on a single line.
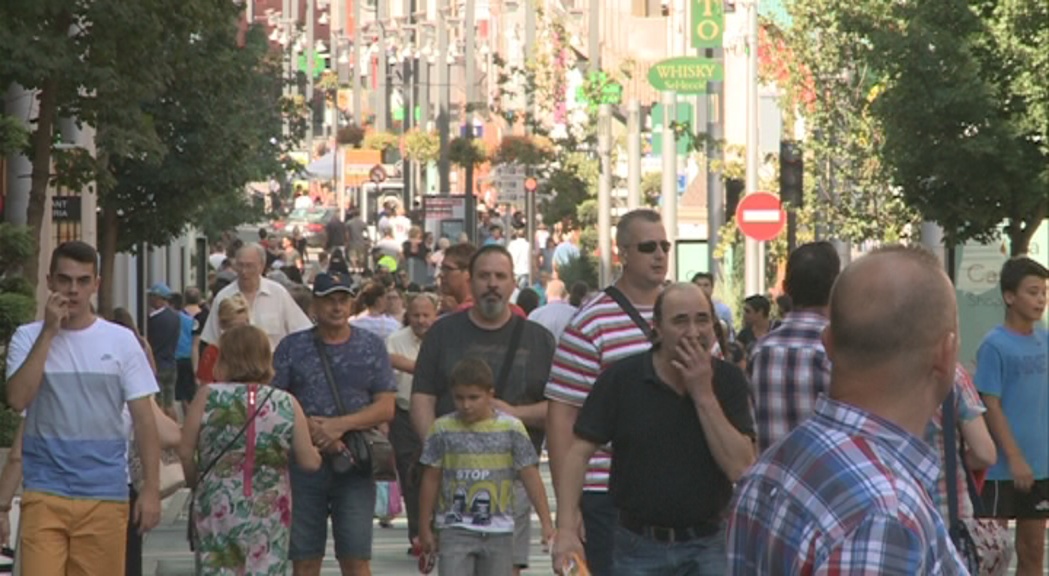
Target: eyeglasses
[(449, 269), (650, 246)]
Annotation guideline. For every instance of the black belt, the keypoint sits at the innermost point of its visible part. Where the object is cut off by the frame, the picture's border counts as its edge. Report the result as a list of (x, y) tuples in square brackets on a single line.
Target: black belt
[(666, 534)]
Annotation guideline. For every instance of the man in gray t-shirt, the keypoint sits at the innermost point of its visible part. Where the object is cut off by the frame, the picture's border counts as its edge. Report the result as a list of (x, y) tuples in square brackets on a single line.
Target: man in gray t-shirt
[(484, 331)]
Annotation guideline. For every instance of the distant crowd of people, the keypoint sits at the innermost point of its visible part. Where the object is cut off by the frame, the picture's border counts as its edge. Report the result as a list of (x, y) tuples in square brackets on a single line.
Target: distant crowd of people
[(837, 438)]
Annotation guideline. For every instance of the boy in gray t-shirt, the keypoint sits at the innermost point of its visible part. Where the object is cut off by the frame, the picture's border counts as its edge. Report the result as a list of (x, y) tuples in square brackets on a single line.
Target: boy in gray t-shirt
[(472, 457)]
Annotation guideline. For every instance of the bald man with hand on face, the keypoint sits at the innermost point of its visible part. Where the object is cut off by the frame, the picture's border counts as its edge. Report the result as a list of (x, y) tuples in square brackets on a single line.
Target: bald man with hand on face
[(847, 491)]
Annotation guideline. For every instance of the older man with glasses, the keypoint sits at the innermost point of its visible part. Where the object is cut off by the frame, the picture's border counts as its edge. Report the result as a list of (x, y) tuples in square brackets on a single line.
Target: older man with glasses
[(272, 307)]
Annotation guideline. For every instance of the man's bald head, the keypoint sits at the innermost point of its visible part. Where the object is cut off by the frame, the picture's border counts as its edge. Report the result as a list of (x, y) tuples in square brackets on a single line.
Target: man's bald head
[(555, 290), (894, 304)]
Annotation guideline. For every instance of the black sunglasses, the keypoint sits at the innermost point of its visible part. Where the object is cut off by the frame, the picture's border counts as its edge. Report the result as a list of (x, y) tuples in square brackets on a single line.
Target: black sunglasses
[(650, 246)]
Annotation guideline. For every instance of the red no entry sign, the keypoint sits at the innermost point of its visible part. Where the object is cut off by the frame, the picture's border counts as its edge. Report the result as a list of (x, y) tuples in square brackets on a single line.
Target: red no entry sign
[(760, 216)]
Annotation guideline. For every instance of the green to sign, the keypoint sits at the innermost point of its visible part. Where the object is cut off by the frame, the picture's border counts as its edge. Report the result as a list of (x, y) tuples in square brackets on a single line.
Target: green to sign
[(708, 23), (687, 75)]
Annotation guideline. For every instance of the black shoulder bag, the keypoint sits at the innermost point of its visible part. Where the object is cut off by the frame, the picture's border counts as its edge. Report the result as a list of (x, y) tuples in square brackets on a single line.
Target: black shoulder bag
[(628, 307), (959, 532), (367, 451), (191, 526), (511, 352)]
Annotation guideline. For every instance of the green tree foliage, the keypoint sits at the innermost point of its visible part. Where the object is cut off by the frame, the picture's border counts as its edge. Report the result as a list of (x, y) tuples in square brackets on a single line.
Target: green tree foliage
[(381, 141), (525, 150), (955, 100), (17, 307), (831, 84), (582, 268), (466, 151), (422, 147)]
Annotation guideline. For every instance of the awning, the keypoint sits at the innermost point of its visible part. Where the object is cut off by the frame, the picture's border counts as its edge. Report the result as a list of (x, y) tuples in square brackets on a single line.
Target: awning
[(322, 168)]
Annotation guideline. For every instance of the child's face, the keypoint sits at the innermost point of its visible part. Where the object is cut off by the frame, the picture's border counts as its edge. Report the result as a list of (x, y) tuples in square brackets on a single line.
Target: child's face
[(473, 403), (1028, 302)]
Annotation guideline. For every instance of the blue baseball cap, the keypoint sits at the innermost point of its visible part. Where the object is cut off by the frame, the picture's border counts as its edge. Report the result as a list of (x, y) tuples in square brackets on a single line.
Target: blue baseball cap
[(327, 283), (160, 289)]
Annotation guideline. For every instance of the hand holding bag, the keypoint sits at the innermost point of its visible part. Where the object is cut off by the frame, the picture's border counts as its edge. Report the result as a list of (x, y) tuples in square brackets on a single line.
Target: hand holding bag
[(370, 451)]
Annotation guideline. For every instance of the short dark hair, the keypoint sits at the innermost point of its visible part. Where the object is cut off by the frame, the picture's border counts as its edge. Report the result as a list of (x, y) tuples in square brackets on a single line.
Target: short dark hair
[(460, 254), (1015, 269), (528, 300), (759, 303), (472, 371), (628, 219), (76, 251), (811, 271), (703, 275), (488, 249), (176, 300), (578, 292), (192, 295)]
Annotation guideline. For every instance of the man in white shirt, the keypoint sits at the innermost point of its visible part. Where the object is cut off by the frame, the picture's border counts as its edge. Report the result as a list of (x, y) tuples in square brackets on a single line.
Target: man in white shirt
[(554, 316), (521, 253), (272, 307), (74, 375)]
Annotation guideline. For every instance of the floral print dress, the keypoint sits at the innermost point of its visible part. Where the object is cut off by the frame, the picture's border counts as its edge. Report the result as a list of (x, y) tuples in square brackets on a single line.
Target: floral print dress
[(243, 506)]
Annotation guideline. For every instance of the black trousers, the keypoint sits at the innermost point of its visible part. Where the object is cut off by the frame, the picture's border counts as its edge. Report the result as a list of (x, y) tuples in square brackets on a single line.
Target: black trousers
[(133, 555), (406, 448)]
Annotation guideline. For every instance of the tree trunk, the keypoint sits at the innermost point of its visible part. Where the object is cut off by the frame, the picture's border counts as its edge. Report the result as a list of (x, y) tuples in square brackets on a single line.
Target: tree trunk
[(1021, 230), (108, 253), (41, 175)]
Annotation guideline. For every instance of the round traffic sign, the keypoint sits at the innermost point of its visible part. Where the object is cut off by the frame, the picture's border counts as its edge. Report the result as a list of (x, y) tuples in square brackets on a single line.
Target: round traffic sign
[(530, 184), (760, 216), (377, 174)]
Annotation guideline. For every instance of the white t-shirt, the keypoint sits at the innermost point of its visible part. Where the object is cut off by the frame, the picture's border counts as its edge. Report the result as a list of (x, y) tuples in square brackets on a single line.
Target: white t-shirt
[(274, 311), (405, 343), (521, 255), (75, 441), (302, 202), (401, 226)]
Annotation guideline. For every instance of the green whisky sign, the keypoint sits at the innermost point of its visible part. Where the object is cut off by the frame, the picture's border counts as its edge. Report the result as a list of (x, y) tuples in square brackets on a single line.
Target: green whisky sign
[(687, 75)]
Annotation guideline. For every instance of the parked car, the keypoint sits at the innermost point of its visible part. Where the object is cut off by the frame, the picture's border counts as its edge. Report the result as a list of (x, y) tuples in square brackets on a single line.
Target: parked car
[(310, 222)]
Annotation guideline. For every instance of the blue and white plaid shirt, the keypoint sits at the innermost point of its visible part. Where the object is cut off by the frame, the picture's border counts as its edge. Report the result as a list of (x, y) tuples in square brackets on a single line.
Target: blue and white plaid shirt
[(789, 370), (847, 492)]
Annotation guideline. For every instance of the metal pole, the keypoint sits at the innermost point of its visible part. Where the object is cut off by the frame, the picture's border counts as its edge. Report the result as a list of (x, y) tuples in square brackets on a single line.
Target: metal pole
[(633, 143), (358, 117), (670, 177), (529, 52), (471, 73), (382, 97), (604, 193), (754, 273), (715, 184), (310, 42), (443, 94), (530, 231), (594, 30)]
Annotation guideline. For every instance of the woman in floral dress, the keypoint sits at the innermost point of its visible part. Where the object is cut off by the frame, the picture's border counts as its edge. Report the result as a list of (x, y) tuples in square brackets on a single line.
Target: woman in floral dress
[(242, 506)]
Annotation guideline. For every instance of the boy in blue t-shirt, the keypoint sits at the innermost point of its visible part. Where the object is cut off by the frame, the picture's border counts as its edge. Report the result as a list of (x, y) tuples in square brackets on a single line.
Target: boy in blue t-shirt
[(472, 457), (1012, 375)]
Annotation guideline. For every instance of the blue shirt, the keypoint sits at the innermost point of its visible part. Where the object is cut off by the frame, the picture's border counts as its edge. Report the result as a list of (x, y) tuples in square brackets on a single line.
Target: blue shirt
[(1015, 368), (184, 349), (360, 367), (565, 253), (847, 492)]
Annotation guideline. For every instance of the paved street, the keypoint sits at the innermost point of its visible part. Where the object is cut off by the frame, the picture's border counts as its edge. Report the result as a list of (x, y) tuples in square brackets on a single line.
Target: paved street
[(167, 554)]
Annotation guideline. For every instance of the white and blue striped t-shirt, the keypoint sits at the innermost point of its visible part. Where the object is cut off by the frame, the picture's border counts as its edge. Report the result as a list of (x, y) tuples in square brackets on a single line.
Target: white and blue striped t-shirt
[(75, 441)]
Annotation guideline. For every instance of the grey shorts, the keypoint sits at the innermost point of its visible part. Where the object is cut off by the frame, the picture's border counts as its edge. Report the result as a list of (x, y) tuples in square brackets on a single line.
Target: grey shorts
[(522, 525), (348, 499), (463, 552), (167, 379)]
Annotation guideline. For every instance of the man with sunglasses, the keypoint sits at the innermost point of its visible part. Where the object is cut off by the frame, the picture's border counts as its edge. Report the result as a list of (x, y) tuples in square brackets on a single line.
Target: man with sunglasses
[(603, 332)]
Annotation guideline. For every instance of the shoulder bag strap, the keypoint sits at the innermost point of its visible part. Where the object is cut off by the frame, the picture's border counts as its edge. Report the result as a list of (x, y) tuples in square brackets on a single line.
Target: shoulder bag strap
[(950, 458), (628, 307), (229, 445), (511, 352), (326, 364)]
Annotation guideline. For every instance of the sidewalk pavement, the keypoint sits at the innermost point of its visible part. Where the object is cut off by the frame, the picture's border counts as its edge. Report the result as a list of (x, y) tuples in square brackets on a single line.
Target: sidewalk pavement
[(165, 551)]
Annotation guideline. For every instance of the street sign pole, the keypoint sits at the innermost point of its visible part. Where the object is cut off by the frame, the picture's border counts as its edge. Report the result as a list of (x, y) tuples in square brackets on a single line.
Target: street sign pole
[(530, 186), (754, 269)]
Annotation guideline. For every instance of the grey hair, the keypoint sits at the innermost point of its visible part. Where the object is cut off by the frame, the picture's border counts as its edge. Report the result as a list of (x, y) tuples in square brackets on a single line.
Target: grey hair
[(258, 250), (623, 227), (433, 298)]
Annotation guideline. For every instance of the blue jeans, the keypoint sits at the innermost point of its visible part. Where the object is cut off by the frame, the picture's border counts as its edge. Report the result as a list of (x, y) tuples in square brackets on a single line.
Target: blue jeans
[(600, 517), (635, 555), (349, 499)]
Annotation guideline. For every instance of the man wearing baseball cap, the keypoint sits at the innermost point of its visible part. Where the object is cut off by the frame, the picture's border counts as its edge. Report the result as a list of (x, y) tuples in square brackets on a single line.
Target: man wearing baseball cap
[(361, 374), (163, 328)]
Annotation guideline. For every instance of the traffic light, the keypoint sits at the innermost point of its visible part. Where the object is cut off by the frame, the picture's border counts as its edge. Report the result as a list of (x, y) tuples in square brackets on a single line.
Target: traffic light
[(791, 169), (733, 192)]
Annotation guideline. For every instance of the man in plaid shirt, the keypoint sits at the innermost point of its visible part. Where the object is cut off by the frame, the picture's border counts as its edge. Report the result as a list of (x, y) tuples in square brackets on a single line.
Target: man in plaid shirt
[(789, 369), (847, 492)]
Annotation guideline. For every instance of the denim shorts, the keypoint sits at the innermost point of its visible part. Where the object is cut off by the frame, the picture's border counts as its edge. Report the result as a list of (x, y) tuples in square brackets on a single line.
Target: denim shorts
[(349, 499)]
